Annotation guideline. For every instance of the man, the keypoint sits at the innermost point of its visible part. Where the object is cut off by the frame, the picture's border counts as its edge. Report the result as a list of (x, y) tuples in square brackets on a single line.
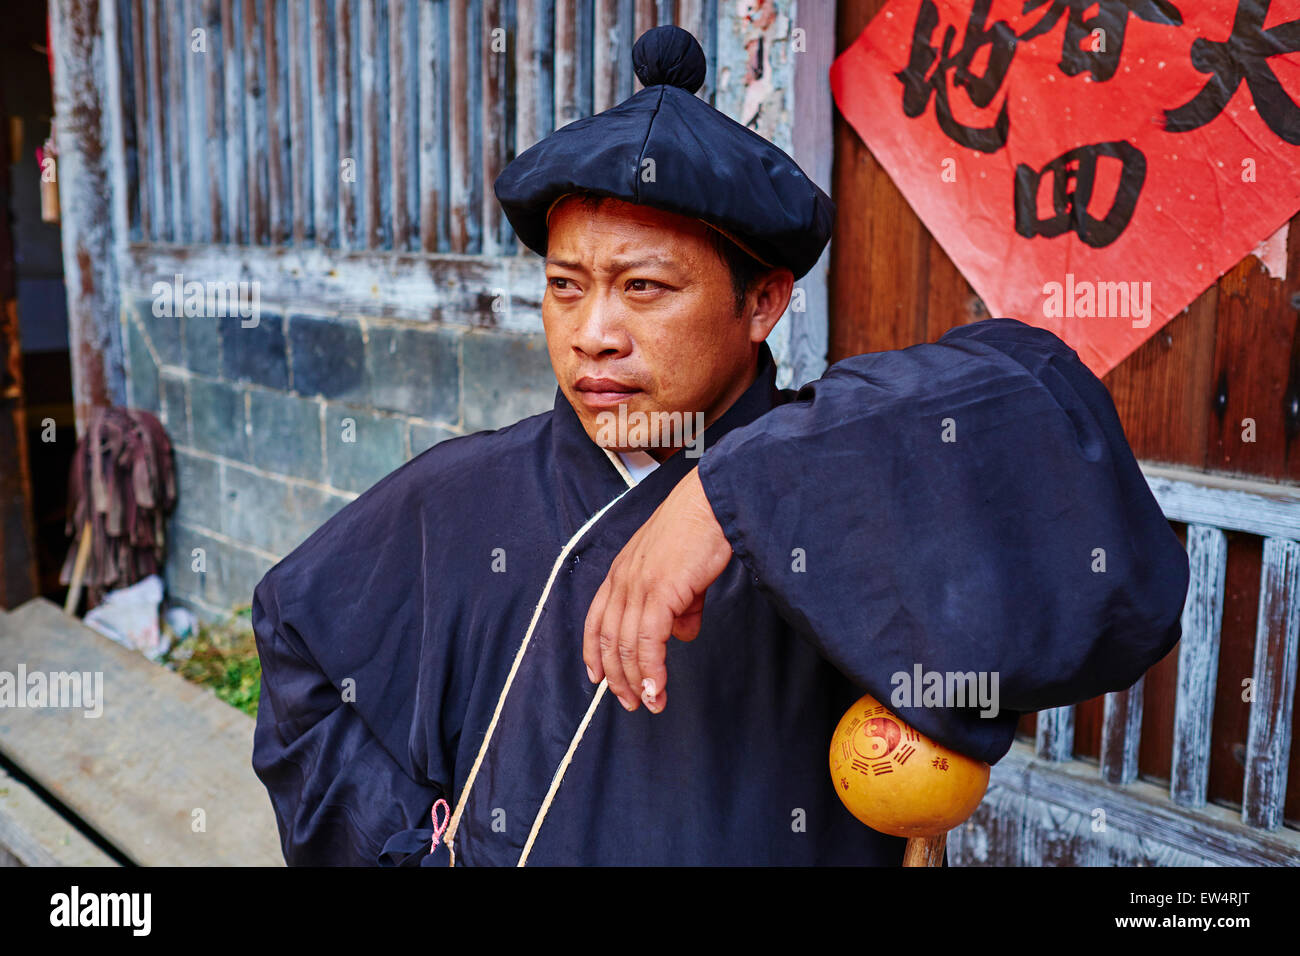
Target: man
[(450, 646)]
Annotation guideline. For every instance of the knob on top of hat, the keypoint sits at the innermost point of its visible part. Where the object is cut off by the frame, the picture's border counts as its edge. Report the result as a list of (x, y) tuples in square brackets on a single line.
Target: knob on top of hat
[(669, 55)]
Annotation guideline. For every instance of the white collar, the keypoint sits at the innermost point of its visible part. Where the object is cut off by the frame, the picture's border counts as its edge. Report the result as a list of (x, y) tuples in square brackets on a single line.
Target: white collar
[(638, 464)]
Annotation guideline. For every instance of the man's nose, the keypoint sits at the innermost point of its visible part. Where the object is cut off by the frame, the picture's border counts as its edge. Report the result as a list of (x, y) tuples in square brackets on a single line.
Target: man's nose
[(601, 328)]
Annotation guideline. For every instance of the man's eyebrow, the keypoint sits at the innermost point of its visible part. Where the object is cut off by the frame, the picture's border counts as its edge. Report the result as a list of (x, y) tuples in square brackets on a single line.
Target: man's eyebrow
[(617, 265)]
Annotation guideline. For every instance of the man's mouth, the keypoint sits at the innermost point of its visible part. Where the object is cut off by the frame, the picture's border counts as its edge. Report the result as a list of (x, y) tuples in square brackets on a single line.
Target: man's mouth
[(603, 392)]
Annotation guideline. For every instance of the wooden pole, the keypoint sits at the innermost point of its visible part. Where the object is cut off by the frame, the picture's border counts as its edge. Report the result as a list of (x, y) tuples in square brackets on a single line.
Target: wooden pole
[(78, 570), (925, 851), (86, 197)]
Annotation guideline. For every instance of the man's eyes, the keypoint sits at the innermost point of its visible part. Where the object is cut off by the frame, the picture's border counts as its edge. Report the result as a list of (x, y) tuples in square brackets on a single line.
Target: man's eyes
[(563, 284)]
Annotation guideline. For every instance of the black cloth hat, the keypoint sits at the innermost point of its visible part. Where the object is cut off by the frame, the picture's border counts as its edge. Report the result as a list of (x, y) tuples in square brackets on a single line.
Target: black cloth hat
[(667, 148)]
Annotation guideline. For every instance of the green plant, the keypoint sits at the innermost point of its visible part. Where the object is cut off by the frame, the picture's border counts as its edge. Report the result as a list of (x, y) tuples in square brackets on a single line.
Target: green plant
[(222, 655)]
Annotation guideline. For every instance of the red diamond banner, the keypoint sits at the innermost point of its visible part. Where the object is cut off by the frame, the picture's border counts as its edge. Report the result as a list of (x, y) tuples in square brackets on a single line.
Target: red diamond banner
[(1090, 167)]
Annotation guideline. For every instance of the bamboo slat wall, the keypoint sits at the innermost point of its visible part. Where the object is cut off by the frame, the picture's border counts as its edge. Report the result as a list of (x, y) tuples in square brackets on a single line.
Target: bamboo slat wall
[(360, 124)]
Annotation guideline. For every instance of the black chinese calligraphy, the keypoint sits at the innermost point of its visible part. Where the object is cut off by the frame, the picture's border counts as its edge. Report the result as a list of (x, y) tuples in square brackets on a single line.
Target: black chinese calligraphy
[(1104, 31), (1243, 56), (919, 80), (1070, 206)]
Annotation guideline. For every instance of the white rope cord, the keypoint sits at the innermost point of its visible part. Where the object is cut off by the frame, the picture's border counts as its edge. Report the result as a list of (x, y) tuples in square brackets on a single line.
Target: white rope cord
[(559, 771), (622, 468), (582, 727), (514, 669)]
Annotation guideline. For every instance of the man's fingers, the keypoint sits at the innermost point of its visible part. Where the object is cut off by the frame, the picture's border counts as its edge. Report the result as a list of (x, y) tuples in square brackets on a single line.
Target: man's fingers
[(591, 654), (652, 652), (628, 640), (610, 629), (687, 625)]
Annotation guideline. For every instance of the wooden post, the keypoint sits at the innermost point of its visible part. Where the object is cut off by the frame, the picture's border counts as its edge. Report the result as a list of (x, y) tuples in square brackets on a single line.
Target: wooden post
[(85, 194)]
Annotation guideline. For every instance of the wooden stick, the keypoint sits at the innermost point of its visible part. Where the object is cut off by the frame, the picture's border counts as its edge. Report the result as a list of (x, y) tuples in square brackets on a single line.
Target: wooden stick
[(925, 851), (78, 571)]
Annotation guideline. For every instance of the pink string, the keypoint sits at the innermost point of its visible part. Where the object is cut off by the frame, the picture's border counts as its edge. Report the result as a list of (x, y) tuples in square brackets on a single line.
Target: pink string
[(439, 828)]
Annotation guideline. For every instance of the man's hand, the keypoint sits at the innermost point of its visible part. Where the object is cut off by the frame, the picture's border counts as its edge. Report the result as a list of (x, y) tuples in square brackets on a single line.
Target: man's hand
[(654, 591)]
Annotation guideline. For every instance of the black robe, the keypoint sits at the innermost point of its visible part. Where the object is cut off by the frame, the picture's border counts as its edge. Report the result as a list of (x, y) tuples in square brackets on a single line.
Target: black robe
[(949, 501)]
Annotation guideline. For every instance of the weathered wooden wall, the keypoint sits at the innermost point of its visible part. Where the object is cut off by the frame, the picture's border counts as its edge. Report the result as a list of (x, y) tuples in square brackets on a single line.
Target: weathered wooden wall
[(360, 124), (1182, 397)]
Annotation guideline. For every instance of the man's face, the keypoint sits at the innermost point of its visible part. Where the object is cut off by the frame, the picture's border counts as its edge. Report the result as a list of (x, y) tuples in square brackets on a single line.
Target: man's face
[(639, 311)]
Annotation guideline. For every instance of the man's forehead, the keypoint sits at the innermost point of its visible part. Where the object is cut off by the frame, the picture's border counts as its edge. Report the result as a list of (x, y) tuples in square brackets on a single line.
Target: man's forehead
[(621, 234), (609, 211)]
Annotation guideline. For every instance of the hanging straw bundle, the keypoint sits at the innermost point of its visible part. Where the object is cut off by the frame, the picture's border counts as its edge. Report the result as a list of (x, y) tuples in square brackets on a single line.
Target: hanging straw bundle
[(120, 488)]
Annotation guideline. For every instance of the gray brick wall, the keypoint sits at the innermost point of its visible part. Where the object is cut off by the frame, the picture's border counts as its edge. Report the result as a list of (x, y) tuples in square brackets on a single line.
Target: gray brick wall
[(278, 425)]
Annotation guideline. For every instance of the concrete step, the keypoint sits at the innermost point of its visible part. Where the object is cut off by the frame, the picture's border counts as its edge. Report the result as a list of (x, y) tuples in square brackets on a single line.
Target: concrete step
[(32, 834), (164, 771)]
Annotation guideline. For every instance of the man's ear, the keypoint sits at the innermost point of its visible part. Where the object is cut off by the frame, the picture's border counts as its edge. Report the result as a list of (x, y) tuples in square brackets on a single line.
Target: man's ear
[(770, 297)]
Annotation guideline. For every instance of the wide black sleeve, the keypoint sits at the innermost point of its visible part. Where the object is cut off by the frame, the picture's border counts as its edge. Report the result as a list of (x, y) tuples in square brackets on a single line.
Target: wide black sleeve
[(340, 796), (970, 505)]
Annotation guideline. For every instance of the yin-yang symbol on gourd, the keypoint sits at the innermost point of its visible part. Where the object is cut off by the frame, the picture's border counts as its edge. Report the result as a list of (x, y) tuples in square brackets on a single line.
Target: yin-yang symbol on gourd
[(877, 737)]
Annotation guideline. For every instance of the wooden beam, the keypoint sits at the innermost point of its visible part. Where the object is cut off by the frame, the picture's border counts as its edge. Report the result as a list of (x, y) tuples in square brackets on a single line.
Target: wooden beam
[(236, 172), (118, 105), (158, 154), (279, 175), (646, 17), (144, 162), (1277, 640), (1121, 735), (607, 56), (1233, 504), (400, 117), (178, 140), (324, 134), (349, 230), (495, 50), (1140, 810), (255, 138), (1198, 665), (371, 165), (528, 91), (812, 129), (1055, 734), (457, 289), (197, 64), (432, 77), (299, 43), (461, 153), (567, 104), (698, 18), (216, 123)]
